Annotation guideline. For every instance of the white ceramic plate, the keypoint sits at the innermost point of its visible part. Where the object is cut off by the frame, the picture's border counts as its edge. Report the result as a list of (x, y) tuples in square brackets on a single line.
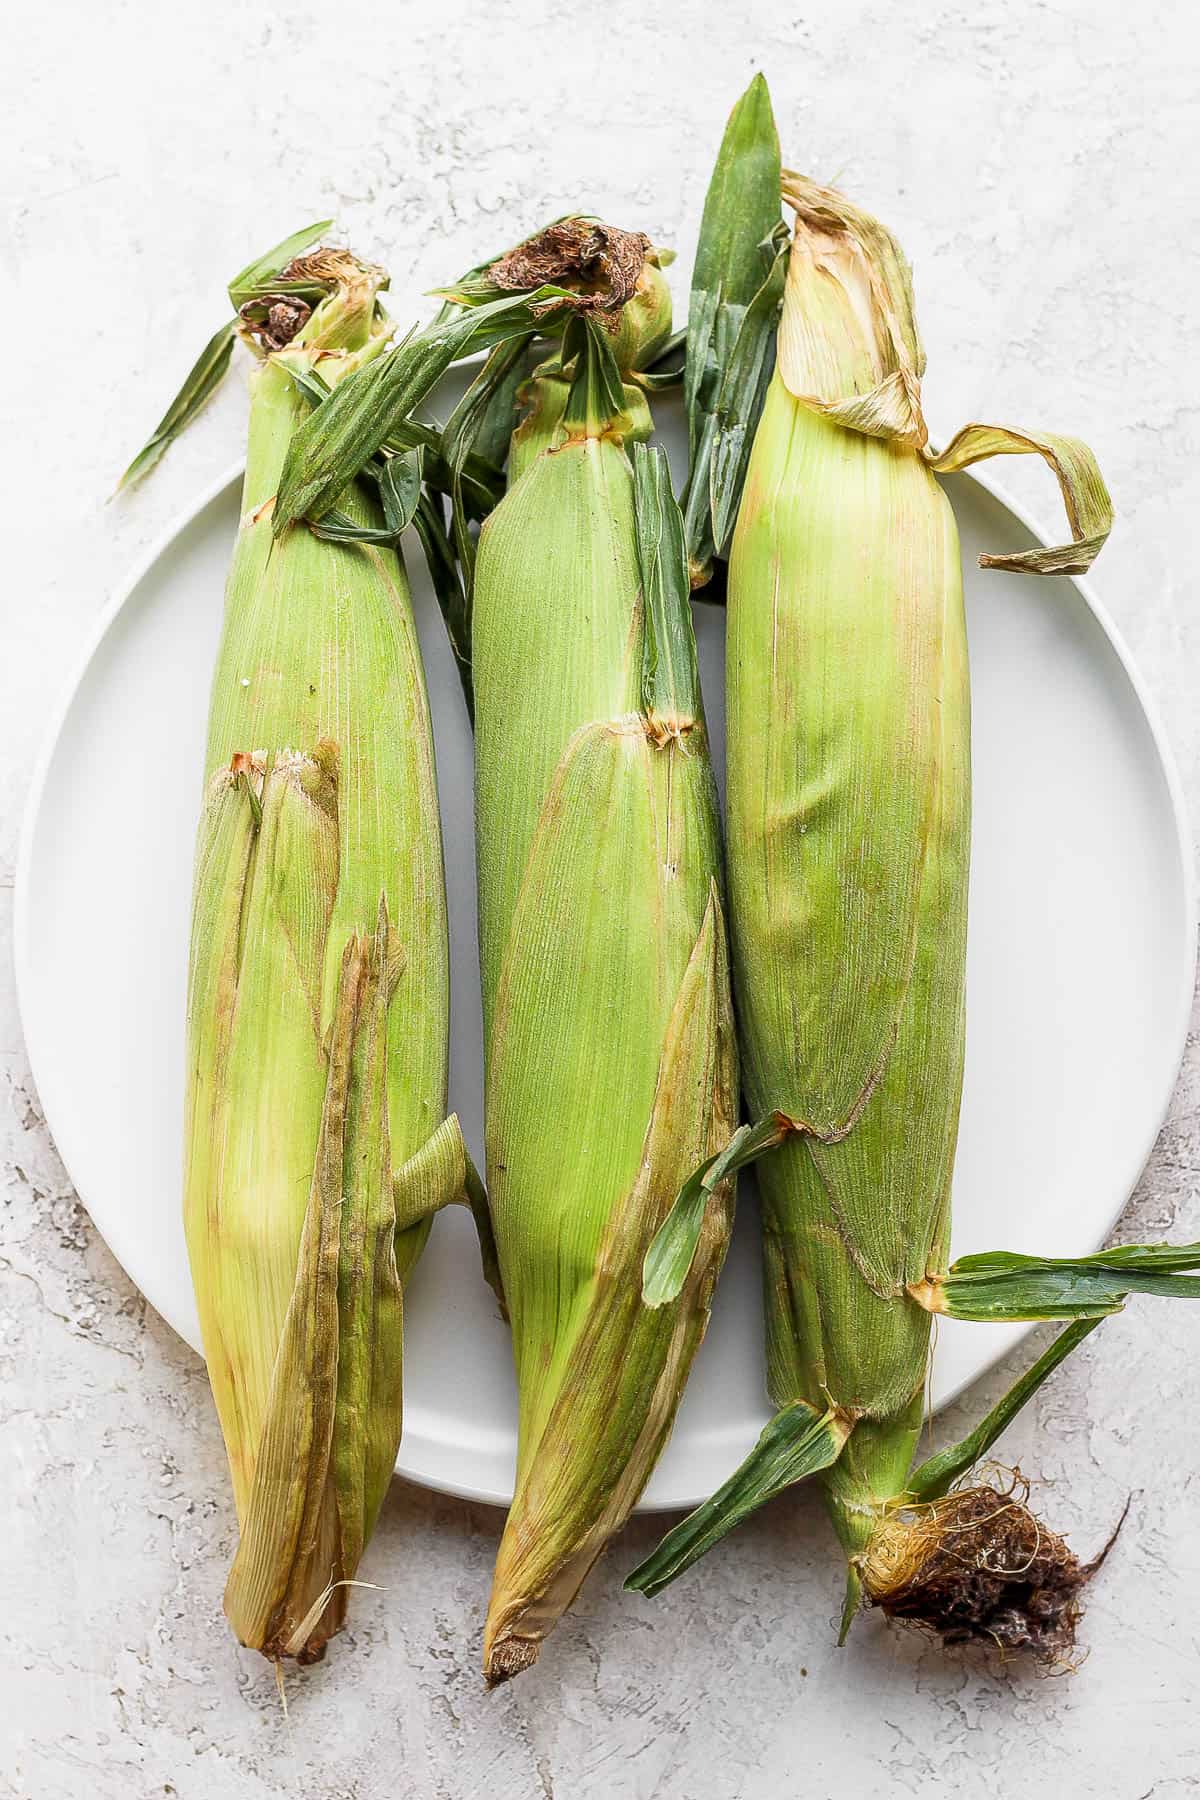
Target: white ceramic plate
[(1079, 988)]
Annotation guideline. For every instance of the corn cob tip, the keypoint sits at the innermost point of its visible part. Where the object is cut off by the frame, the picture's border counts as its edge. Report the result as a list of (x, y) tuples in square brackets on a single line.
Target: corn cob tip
[(511, 1656), (978, 1566)]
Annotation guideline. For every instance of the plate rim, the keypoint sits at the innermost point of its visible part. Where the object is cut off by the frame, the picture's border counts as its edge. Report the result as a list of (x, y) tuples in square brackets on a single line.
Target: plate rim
[(59, 713)]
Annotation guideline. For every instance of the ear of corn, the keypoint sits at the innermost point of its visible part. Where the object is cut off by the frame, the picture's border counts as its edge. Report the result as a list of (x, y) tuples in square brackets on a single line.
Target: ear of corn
[(610, 1058), (849, 835), (317, 1015)]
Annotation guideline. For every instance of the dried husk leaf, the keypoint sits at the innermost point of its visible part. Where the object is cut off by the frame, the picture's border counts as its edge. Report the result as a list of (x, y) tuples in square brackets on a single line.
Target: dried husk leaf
[(850, 350)]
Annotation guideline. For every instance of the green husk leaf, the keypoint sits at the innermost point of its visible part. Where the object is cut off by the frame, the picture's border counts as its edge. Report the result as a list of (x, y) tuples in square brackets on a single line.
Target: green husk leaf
[(938, 1474), (400, 489), (670, 676), (850, 1603), (743, 391), (334, 1416), (596, 399), (486, 415), (399, 468), (429, 522), (338, 528), (439, 1174), (498, 418), (481, 1213), (595, 1367), (741, 207), (872, 259), (1001, 1285), (371, 405), (480, 478), (798, 1442), (309, 383), (891, 409), (667, 369), (199, 385), (741, 214), (260, 277), (669, 1257)]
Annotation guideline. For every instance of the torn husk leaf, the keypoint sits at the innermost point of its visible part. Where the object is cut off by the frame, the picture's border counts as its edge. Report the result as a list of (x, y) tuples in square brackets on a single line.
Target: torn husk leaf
[(603, 956), (317, 1009)]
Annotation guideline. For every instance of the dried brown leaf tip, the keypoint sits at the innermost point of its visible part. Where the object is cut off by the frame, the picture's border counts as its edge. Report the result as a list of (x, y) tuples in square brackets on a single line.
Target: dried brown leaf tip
[(977, 1566), (601, 264)]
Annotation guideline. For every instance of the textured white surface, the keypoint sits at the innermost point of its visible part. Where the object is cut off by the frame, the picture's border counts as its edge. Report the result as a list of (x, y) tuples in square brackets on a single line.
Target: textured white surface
[(1033, 159)]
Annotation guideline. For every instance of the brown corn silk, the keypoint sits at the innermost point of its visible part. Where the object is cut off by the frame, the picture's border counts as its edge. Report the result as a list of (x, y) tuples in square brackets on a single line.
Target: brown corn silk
[(316, 1143), (609, 1043), (849, 834)]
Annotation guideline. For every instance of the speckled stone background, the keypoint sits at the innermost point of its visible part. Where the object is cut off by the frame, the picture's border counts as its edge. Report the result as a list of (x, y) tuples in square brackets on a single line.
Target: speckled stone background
[(1038, 162)]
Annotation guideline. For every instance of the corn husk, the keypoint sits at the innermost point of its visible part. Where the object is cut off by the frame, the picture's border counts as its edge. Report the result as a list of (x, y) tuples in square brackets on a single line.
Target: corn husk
[(609, 1040), (848, 713), (317, 1145)]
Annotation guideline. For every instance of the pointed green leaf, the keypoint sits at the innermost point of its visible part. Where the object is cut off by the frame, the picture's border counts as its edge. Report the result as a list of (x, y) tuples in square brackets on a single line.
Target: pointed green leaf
[(199, 384), (669, 1257), (744, 386), (741, 214), (741, 207), (938, 1474), (484, 417), (333, 444), (260, 277), (400, 489), (1000, 1285), (850, 1603), (597, 395), (798, 1442), (670, 676), (309, 383), (338, 528), (666, 371)]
